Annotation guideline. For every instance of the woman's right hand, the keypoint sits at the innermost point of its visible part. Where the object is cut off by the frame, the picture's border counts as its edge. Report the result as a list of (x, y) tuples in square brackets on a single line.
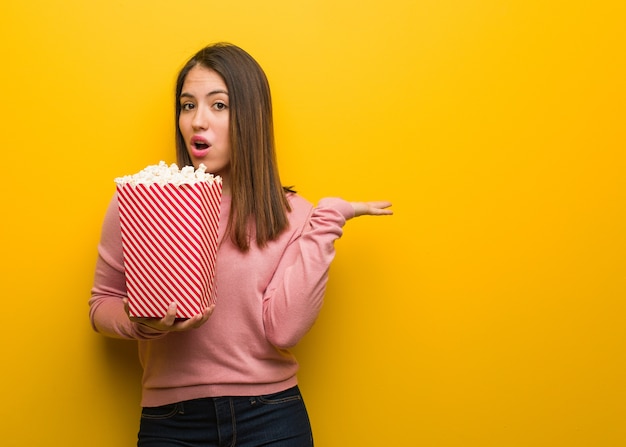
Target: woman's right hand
[(169, 322)]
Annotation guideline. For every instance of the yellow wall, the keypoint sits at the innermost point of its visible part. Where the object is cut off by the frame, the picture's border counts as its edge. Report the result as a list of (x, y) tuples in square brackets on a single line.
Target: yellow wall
[(489, 311)]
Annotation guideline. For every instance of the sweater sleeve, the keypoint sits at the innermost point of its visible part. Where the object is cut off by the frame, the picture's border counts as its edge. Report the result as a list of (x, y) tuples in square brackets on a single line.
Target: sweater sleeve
[(295, 295), (106, 308)]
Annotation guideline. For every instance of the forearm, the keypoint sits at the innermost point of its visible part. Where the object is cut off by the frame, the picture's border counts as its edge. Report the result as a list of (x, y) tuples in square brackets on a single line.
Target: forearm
[(106, 306), (295, 296), (109, 318)]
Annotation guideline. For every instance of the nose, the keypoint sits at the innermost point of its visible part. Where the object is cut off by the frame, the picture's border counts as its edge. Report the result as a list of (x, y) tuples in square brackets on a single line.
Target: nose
[(200, 120)]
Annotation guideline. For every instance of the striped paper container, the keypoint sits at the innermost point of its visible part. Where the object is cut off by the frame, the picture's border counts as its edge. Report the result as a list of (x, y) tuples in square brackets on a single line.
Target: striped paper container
[(169, 239)]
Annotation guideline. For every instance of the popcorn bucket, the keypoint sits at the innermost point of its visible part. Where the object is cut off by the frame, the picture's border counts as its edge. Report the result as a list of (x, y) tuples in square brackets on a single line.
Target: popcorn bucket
[(169, 239)]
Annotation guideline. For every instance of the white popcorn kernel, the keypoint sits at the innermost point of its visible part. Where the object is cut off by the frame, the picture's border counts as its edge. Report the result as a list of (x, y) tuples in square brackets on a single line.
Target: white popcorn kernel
[(162, 174)]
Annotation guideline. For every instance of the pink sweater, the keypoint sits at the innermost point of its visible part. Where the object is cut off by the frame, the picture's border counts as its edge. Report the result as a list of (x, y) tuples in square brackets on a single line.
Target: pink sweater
[(266, 301)]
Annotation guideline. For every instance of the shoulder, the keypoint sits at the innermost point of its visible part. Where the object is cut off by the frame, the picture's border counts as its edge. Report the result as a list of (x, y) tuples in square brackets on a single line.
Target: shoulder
[(300, 211), (111, 224), (110, 245), (299, 205)]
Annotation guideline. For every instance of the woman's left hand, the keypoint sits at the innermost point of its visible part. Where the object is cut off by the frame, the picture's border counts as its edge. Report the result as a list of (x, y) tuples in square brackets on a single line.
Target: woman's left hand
[(377, 208)]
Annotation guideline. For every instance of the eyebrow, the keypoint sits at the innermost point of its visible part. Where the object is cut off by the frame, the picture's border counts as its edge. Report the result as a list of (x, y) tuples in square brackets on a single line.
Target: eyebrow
[(211, 93)]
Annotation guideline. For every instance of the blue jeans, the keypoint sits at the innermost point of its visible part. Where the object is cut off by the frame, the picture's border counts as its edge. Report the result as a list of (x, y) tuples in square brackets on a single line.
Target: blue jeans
[(277, 420)]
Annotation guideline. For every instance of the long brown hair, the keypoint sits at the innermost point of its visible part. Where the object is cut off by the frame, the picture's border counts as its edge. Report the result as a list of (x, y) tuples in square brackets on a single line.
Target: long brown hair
[(257, 194)]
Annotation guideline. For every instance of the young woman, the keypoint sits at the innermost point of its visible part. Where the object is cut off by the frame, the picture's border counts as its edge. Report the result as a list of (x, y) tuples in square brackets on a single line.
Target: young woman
[(226, 377)]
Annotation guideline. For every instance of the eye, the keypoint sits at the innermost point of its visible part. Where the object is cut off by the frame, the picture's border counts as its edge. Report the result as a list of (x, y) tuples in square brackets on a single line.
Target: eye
[(187, 106), (220, 106)]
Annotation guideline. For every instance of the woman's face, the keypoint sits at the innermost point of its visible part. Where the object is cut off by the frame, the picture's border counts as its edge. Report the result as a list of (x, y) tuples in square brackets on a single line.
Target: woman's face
[(204, 119)]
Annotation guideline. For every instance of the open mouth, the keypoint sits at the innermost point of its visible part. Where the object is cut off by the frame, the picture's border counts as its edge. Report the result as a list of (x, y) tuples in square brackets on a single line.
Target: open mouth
[(199, 143), (199, 146)]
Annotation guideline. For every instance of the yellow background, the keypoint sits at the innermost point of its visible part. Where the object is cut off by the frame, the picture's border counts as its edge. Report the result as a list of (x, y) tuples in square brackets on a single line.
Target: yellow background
[(488, 311)]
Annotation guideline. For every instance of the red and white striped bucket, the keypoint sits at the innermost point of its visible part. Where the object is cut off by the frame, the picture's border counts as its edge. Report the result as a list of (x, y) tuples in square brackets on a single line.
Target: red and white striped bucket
[(169, 238)]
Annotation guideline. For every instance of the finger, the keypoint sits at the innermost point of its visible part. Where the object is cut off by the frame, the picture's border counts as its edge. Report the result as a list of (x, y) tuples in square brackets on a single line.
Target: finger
[(380, 208), (196, 321), (170, 317), (381, 204), (149, 322), (208, 312), (200, 319), (191, 323), (126, 306), (382, 212)]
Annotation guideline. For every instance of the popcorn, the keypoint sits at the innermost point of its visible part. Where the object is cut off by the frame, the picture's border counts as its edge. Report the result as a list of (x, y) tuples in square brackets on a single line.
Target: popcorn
[(169, 219), (162, 174)]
